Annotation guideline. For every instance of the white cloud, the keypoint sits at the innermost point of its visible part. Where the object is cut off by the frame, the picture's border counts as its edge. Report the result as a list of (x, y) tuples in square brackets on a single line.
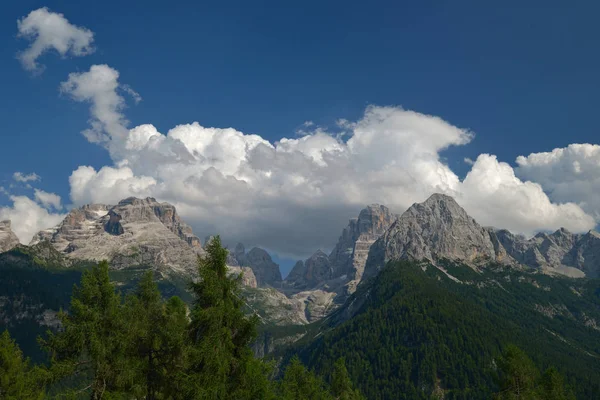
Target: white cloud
[(28, 217), (295, 195), (136, 96), (108, 185), (48, 30), (21, 177), (99, 87), (571, 173), (48, 199), (493, 195)]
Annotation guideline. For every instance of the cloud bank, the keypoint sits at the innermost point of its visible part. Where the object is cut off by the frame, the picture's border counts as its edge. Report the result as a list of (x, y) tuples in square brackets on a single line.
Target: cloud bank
[(571, 173), (28, 217), (47, 30), (296, 194), (293, 195)]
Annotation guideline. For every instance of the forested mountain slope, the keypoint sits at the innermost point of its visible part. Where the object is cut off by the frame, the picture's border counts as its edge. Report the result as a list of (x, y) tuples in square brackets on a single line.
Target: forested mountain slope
[(419, 331)]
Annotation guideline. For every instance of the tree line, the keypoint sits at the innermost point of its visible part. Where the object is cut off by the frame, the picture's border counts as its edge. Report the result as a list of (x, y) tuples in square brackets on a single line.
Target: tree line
[(142, 346)]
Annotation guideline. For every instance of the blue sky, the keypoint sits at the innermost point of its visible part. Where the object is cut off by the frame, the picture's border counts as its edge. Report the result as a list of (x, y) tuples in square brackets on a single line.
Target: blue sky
[(523, 78)]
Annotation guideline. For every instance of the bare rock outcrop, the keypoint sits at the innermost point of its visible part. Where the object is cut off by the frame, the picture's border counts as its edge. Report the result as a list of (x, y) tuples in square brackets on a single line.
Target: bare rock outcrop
[(259, 260), (134, 233), (440, 228), (8, 239)]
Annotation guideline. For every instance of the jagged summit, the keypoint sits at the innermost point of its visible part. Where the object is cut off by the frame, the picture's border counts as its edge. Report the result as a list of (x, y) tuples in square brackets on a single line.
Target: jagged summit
[(440, 228), (343, 267), (259, 260), (135, 232), (8, 239)]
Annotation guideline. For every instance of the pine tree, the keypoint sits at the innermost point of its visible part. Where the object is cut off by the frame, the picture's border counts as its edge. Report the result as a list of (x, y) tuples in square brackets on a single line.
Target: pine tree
[(519, 375), (91, 345), (222, 365), (552, 386), (341, 385), (156, 340), (18, 379), (299, 383)]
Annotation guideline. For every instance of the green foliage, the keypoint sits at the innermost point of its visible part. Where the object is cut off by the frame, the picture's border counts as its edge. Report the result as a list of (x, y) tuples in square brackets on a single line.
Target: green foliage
[(519, 375), (417, 334), (18, 379), (222, 364), (520, 379), (299, 383), (341, 385), (156, 336), (552, 386), (92, 343)]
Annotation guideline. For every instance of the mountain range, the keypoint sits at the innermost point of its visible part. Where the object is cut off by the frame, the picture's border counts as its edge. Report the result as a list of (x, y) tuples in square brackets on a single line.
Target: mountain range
[(144, 233), (430, 284)]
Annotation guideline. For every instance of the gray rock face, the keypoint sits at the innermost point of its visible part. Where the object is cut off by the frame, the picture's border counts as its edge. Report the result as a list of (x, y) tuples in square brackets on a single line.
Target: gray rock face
[(8, 239), (310, 273), (134, 233), (436, 228), (248, 278), (561, 252), (440, 228), (350, 254), (266, 271), (341, 270)]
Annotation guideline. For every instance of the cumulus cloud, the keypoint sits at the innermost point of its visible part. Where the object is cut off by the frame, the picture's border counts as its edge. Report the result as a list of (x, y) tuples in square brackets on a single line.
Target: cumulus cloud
[(28, 217), (495, 196), (47, 30), (295, 195), (24, 178), (571, 173), (108, 185), (48, 199), (98, 86)]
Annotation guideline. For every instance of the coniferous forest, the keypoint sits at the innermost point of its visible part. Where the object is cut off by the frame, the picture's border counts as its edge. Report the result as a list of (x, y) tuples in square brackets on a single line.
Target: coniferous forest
[(417, 335)]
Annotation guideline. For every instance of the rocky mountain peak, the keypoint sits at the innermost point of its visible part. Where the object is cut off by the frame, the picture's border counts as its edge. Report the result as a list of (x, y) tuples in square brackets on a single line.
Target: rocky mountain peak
[(440, 208), (344, 266), (436, 228), (8, 239), (135, 232), (265, 270)]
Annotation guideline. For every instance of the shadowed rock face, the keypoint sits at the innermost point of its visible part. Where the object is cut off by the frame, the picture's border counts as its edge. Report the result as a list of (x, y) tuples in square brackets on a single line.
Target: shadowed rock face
[(344, 266), (266, 271), (350, 254), (8, 239), (113, 226)]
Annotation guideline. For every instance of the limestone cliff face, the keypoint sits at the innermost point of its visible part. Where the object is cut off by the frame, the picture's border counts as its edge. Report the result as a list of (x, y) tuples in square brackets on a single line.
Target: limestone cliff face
[(350, 254), (8, 239), (436, 228), (344, 266), (134, 233), (266, 271), (440, 228), (561, 252)]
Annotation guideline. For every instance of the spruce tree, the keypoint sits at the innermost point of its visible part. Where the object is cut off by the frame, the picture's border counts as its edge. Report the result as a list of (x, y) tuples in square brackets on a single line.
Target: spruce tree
[(222, 365), (90, 347), (156, 340), (519, 375), (18, 379), (299, 383), (552, 386), (341, 385)]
